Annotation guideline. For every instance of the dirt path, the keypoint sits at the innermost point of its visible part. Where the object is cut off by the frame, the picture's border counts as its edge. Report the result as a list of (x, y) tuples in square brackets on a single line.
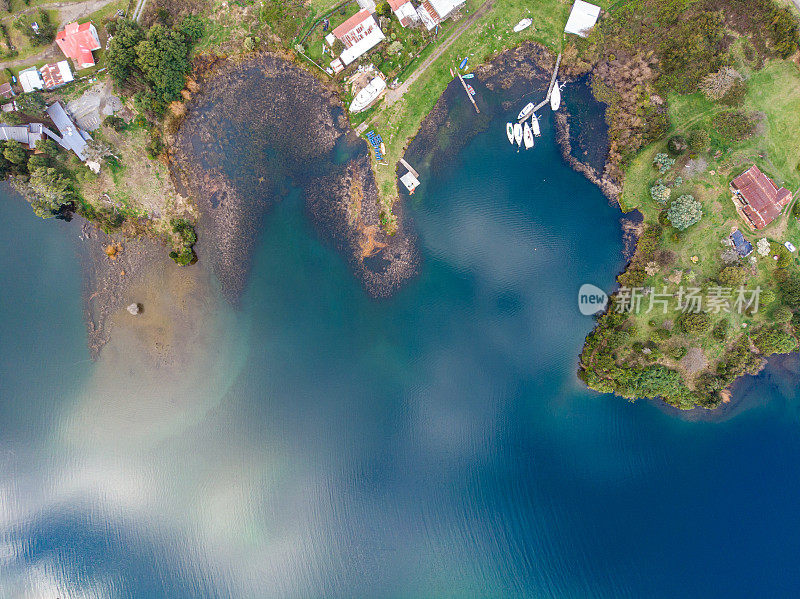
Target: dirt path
[(137, 12), (67, 13), (393, 95)]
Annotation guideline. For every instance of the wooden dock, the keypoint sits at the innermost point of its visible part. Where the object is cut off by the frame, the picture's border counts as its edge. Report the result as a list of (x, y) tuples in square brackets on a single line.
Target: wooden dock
[(408, 166), (466, 89), (550, 88)]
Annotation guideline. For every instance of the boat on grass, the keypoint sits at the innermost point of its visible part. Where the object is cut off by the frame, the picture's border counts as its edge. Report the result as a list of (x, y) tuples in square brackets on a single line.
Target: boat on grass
[(537, 131), (523, 24), (555, 97), (527, 135), (523, 114), (510, 132), (518, 133), (367, 95)]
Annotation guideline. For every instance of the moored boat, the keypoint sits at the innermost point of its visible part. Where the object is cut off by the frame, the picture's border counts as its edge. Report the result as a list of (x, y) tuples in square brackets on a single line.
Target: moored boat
[(555, 97), (523, 114), (537, 131), (523, 24), (367, 95), (527, 135), (518, 134), (510, 132)]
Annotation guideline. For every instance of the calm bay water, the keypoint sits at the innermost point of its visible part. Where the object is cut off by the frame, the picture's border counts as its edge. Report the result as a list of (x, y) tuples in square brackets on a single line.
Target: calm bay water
[(437, 444)]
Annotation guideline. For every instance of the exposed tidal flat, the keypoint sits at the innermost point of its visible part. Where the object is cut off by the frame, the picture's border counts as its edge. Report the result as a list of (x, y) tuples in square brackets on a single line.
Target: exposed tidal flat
[(314, 442)]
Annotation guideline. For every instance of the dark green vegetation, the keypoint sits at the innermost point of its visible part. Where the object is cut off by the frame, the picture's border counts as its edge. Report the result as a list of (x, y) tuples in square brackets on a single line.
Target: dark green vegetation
[(47, 30), (152, 64), (698, 91), (183, 253)]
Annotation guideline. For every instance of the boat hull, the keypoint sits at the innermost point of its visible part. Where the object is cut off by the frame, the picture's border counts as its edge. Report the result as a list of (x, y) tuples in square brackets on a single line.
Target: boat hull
[(555, 97), (510, 132), (523, 114), (527, 136), (518, 134)]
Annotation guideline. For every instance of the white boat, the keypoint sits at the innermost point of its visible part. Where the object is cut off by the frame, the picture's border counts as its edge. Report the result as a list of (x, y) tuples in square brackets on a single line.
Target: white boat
[(523, 24), (518, 134), (523, 114), (555, 97), (527, 135), (535, 125), (367, 95), (510, 132)]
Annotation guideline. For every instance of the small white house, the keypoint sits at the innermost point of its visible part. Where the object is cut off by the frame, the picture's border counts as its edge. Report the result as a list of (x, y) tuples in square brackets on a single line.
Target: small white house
[(582, 18), (404, 11), (30, 80), (433, 12)]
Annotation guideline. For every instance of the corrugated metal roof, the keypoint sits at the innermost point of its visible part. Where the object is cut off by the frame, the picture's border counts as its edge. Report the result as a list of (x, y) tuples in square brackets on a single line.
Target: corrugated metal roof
[(70, 133)]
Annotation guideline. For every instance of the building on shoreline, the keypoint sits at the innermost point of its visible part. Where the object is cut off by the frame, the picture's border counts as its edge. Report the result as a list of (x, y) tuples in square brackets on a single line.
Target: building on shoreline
[(433, 12), (757, 199), (582, 18), (359, 34), (27, 135), (78, 42)]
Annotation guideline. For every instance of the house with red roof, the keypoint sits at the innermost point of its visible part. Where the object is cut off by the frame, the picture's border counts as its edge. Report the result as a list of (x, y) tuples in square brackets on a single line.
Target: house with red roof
[(757, 198), (404, 11), (359, 34), (78, 42)]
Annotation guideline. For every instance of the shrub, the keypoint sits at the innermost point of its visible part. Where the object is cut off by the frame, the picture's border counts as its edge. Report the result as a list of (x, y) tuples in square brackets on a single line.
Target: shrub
[(716, 85), (735, 95), (677, 145), (721, 330), (116, 123), (773, 340), (699, 140), (694, 323), (782, 314), (660, 193), (685, 212), (663, 162), (735, 125), (679, 352), (732, 276)]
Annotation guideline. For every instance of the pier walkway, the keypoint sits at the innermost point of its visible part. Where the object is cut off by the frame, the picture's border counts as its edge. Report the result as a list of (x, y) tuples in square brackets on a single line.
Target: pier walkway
[(550, 88)]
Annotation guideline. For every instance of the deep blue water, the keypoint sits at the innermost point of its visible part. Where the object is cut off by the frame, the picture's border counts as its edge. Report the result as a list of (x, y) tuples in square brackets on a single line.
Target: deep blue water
[(437, 444)]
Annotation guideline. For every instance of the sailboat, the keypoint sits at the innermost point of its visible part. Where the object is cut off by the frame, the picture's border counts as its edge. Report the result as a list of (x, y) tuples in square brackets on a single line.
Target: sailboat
[(518, 133), (510, 132), (523, 24), (523, 114), (535, 125), (555, 97), (527, 135)]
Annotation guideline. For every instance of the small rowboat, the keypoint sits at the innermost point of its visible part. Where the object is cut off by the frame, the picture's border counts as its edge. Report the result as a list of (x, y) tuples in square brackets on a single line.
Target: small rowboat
[(527, 135), (471, 90), (523, 114), (518, 134), (510, 132), (468, 76), (463, 64), (523, 24)]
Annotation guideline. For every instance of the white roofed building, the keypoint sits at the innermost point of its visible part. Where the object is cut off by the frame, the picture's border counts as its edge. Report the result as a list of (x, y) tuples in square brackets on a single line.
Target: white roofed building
[(30, 80), (359, 34), (433, 12), (582, 18), (404, 11)]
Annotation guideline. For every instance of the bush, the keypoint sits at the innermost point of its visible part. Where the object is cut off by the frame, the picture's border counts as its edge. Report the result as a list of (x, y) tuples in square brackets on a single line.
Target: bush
[(721, 330), (694, 323), (782, 314), (735, 95), (679, 352), (663, 162), (732, 276), (735, 125), (660, 193), (773, 340), (685, 212), (677, 145), (154, 146), (116, 123), (699, 140)]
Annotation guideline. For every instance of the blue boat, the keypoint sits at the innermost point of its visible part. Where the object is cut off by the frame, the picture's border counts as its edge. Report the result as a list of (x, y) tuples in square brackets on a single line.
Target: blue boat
[(463, 64)]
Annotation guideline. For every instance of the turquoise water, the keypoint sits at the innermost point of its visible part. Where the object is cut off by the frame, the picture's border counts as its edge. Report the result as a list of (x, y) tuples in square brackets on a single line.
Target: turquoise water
[(438, 444)]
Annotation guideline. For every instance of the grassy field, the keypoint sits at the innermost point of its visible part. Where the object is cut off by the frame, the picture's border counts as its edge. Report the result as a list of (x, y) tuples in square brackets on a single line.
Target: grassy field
[(491, 34)]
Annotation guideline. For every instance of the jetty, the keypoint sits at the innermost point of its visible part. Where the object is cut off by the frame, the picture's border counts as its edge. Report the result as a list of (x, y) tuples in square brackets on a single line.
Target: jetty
[(550, 87), (466, 89)]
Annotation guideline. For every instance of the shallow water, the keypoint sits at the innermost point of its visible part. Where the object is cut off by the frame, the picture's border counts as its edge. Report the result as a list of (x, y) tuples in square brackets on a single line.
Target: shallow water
[(317, 443)]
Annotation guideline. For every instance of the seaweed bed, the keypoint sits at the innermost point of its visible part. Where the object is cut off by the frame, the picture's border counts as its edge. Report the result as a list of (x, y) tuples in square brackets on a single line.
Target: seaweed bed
[(259, 128)]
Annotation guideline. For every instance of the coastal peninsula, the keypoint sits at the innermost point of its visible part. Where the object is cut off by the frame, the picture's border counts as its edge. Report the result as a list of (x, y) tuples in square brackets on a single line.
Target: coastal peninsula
[(204, 113)]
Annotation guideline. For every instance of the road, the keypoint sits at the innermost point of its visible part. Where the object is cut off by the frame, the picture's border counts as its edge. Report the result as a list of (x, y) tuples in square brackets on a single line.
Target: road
[(393, 95), (67, 13)]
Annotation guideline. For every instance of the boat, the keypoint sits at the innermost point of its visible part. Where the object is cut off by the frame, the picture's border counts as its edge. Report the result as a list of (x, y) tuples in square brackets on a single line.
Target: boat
[(523, 24), (537, 131), (510, 132), (471, 90), (555, 97), (463, 64), (468, 76), (367, 95), (518, 133), (527, 135), (523, 114)]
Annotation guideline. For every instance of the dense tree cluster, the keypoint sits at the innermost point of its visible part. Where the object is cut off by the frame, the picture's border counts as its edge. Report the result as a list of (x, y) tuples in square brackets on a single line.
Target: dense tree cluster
[(153, 62), (684, 212)]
